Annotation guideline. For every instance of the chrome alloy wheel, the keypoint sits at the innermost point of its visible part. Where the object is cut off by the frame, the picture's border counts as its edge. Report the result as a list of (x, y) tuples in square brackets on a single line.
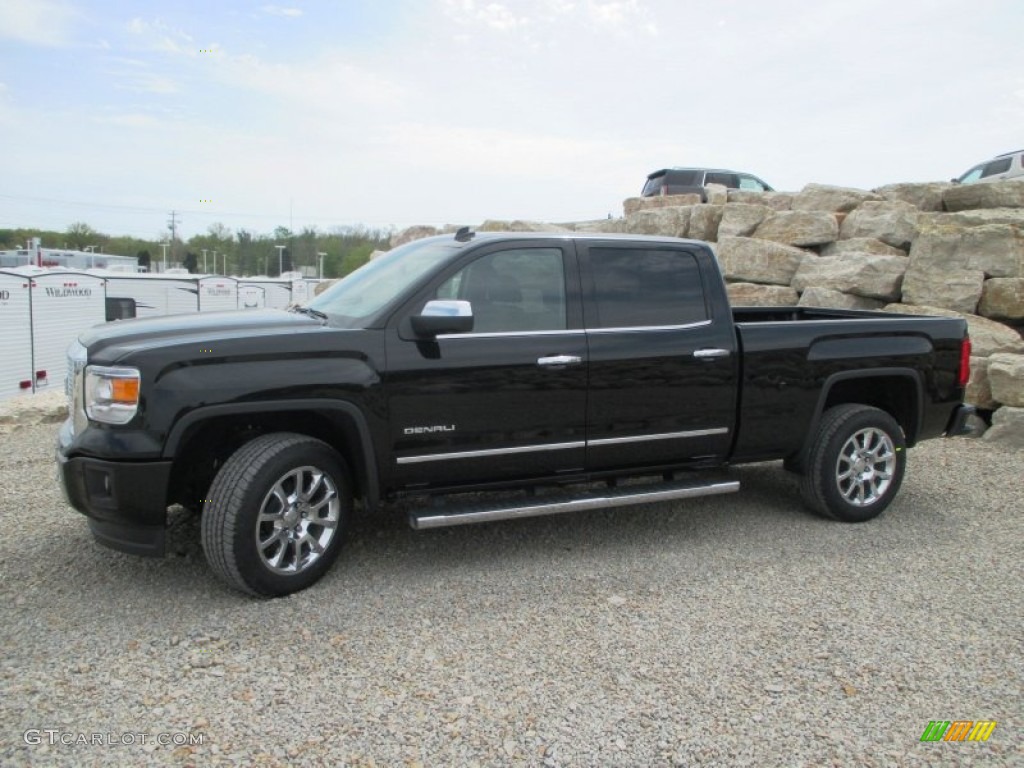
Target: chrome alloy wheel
[(865, 467), (297, 520)]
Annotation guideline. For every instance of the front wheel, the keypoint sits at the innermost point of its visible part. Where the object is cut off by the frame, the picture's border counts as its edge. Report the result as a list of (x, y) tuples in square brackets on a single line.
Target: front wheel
[(855, 466), (276, 514)]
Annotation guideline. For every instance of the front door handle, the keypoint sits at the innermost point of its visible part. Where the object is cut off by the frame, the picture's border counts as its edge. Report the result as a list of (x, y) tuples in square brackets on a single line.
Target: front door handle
[(710, 354), (559, 361)]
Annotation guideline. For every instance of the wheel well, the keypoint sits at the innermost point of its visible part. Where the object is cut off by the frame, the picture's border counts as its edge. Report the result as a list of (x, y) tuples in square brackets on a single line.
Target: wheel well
[(896, 395), (206, 445)]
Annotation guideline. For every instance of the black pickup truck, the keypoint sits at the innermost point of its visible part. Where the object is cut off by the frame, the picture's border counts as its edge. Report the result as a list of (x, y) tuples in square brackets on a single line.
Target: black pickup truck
[(579, 371)]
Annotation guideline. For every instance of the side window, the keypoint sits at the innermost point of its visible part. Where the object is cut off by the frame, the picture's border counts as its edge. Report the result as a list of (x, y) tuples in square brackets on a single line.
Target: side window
[(749, 182), (636, 287), (972, 175), (996, 166), (511, 291), (725, 179)]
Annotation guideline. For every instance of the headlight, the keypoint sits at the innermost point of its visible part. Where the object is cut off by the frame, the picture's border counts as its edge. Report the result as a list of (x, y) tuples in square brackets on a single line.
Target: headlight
[(111, 394)]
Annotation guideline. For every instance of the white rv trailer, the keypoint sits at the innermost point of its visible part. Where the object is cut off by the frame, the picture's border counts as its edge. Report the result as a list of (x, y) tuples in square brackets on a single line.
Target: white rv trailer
[(149, 295), (251, 296), (277, 293), (63, 304), (217, 293), (16, 338), (303, 288)]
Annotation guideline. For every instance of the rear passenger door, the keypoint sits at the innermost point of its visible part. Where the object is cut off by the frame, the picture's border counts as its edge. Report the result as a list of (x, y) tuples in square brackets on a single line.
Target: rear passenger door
[(663, 367)]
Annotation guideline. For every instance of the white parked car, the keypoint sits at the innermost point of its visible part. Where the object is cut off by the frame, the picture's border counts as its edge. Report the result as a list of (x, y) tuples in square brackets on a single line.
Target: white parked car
[(1008, 166)]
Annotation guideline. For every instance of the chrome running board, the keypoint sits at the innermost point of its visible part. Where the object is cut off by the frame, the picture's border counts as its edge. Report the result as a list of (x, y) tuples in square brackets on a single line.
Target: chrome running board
[(464, 514)]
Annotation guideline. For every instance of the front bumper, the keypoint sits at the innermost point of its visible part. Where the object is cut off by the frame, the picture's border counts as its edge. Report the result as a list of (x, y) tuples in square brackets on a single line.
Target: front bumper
[(124, 501), (958, 421)]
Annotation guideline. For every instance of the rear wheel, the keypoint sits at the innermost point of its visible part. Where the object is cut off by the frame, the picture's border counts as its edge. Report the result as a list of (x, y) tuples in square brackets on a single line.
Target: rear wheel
[(276, 514), (855, 466)]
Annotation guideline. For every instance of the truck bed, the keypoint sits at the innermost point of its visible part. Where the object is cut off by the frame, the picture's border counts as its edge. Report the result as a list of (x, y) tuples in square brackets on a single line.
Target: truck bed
[(790, 354)]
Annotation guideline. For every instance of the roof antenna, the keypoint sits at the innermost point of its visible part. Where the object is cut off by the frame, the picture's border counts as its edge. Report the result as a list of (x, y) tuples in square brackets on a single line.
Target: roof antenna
[(464, 235)]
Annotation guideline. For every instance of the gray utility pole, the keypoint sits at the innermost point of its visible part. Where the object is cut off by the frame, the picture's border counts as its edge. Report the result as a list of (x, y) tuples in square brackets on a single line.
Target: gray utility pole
[(280, 259), (321, 254), (173, 226), (204, 262)]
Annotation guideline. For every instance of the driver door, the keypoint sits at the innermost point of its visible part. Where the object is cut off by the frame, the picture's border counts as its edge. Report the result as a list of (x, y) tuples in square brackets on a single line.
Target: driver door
[(506, 400)]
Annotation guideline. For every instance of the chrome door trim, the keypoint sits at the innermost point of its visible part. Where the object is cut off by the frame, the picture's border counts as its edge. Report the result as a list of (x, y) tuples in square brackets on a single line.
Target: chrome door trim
[(420, 459), (490, 452), (644, 328), (662, 436)]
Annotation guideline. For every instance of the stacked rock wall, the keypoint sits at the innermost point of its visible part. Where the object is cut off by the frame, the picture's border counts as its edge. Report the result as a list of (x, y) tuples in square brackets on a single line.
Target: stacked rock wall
[(933, 248)]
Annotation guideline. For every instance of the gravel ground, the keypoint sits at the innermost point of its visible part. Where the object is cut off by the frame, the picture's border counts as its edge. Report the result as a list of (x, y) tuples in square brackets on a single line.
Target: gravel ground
[(734, 630)]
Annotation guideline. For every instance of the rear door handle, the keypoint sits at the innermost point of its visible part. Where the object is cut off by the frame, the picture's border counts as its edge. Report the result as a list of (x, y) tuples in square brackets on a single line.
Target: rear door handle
[(559, 361), (710, 354)]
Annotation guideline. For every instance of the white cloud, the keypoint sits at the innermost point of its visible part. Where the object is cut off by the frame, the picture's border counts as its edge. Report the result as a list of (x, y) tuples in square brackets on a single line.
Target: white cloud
[(157, 35), (44, 22), (276, 10), (619, 14), (332, 83), (127, 120)]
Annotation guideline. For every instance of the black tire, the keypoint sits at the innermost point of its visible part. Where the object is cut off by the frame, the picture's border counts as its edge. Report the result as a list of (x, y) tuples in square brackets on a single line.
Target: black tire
[(855, 465), (266, 543)]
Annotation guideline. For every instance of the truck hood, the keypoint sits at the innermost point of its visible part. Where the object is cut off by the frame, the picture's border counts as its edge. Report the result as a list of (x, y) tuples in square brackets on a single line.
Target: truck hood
[(201, 326)]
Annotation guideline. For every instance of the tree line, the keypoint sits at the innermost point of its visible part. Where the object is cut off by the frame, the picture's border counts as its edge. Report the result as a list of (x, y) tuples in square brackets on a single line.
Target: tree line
[(238, 252)]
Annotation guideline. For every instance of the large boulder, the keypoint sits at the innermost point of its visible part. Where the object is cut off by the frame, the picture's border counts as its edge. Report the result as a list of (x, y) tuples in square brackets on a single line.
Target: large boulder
[(973, 218), (754, 295), (861, 245), (997, 194), (409, 234), (925, 196), (987, 336), (704, 220), (634, 204), (1003, 298), (862, 274), (956, 289), (598, 225), (827, 297), (716, 194), (822, 197), (799, 228), (1007, 428), (996, 249), (938, 248), (894, 223), (777, 201), (518, 225), (1006, 377), (672, 222), (741, 219), (747, 259), (979, 391)]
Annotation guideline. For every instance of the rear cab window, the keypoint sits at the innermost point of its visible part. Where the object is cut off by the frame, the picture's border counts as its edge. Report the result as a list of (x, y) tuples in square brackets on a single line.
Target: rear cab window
[(636, 287)]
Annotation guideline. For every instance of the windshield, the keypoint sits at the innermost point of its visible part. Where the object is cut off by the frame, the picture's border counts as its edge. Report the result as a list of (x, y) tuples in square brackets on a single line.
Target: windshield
[(352, 301)]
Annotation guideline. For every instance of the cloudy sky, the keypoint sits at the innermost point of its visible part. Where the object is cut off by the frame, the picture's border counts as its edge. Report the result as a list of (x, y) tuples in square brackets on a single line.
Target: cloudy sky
[(394, 112)]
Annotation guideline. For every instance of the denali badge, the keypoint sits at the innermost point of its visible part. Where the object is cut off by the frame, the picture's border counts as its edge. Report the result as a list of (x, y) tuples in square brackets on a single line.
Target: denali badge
[(428, 430)]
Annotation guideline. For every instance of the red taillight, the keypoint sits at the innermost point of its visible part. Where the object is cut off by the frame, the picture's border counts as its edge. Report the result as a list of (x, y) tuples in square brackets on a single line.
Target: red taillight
[(964, 375)]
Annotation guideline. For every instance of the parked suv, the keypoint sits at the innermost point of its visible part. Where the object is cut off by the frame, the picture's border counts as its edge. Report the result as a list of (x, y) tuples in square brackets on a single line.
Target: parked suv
[(681, 181), (1008, 166)]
